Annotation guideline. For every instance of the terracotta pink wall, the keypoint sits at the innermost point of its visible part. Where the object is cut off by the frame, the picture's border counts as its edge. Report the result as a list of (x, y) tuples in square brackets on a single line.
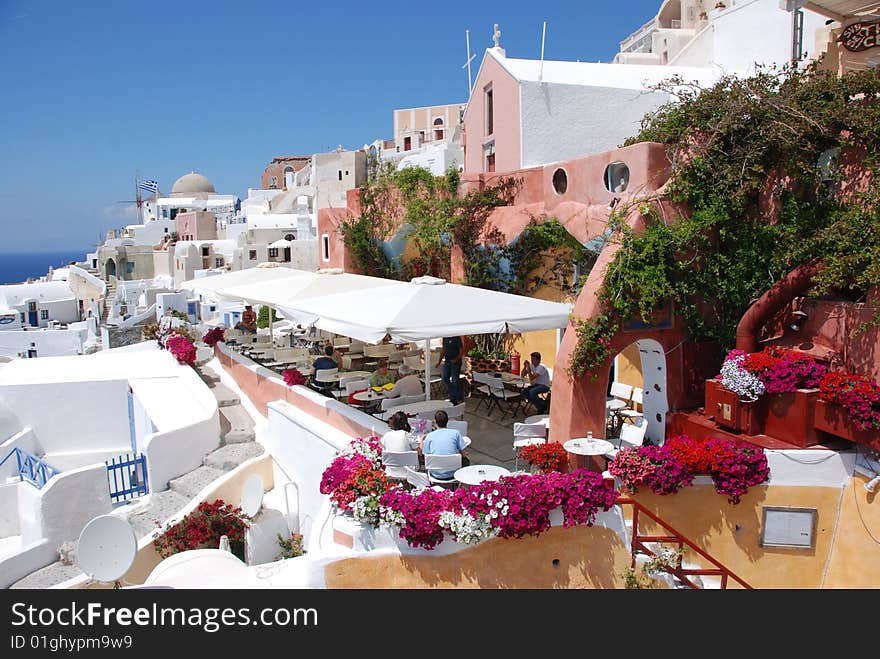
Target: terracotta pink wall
[(196, 225), (505, 92), (261, 390)]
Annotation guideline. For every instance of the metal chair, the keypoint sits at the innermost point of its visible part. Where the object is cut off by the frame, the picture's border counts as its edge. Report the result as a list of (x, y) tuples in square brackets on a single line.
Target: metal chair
[(460, 426), (322, 385), (456, 411), (637, 399)]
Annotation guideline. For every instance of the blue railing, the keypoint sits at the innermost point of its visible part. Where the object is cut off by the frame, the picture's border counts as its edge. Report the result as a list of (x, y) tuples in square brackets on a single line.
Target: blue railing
[(127, 477), (31, 468)]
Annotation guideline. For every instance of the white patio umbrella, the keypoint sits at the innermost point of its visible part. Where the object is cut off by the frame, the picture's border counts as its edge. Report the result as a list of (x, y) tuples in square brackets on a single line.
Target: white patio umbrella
[(424, 309)]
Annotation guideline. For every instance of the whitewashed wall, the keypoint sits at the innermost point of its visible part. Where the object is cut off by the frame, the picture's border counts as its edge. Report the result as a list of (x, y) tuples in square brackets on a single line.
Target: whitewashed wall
[(562, 122), (24, 440), (28, 558), (49, 343), (73, 416), (9, 508), (175, 452)]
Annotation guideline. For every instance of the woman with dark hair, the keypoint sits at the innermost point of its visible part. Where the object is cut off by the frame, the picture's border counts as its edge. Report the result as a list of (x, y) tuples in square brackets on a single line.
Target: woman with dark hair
[(397, 440)]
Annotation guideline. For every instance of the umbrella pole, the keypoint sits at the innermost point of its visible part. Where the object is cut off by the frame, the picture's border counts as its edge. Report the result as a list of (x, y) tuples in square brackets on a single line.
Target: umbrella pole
[(271, 328), (427, 369)]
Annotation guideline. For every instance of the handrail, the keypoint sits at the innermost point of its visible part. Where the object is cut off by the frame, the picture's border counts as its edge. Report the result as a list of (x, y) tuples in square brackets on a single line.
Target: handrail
[(676, 537), (31, 468)]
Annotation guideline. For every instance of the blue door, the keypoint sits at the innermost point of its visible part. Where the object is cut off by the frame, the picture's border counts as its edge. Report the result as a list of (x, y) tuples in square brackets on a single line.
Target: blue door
[(33, 321)]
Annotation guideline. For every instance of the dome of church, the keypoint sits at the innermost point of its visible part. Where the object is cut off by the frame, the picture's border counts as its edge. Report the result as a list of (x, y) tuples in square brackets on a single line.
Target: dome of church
[(190, 184)]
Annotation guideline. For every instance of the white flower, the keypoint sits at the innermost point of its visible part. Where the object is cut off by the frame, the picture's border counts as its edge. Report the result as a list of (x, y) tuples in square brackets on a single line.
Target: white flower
[(466, 528)]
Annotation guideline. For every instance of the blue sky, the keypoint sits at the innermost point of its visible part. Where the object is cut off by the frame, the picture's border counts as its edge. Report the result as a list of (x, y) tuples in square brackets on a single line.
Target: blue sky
[(95, 90)]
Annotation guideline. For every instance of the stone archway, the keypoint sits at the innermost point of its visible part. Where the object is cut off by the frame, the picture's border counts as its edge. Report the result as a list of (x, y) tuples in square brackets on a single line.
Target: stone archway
[(109, 269), (652, 379)]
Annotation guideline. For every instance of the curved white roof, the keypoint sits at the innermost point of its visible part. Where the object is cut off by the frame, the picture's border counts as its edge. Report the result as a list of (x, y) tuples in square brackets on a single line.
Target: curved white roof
[(45, 291)]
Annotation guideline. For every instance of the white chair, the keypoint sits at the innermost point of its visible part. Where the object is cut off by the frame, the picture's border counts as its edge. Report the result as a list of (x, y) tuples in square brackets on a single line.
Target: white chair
[(460, 426), (631, 435), (386, 407), (526, 434), (637, 399), (342, 389), (341, 342), (394, 461), (482, 388), (621, 391), (620, 397), (353, 386), (415, 363), (436, 463), (419, 479), (322, 381), (456, 411), (356, 348)]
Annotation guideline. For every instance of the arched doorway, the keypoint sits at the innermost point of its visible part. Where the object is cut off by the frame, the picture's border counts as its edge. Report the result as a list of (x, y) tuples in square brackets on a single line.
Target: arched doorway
[(644, 380), (110, 268)]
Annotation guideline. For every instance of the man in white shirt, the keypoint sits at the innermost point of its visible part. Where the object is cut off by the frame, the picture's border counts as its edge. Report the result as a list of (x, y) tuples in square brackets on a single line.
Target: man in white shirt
[(539, 379), (408, 384)]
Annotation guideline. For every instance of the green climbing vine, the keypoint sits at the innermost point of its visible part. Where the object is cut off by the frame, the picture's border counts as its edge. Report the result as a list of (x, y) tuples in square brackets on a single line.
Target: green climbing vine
[(747, 162)]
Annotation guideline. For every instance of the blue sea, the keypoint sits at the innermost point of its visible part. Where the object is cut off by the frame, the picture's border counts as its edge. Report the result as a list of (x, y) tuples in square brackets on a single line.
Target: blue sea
[(15, 267)]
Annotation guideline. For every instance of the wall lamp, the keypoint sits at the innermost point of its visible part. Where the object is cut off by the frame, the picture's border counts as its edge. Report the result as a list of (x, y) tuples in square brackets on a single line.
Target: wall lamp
[(798, 320), (872, 484), (614, 202)]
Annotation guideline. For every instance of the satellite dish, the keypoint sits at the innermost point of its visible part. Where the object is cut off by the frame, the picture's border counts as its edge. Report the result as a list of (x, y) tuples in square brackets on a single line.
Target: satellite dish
[(106, 548), (252, 495)]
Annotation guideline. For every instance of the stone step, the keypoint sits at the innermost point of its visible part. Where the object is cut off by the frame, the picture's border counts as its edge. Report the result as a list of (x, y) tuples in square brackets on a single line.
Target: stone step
[(232, 455), (163, 505), (203, 355), (224, 395), (236, 425), (189, 485)]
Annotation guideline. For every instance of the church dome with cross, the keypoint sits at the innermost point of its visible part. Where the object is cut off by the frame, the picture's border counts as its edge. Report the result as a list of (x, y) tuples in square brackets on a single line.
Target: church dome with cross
[(192, 184)]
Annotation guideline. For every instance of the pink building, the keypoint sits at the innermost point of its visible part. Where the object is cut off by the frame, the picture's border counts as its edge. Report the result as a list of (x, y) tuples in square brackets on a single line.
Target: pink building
[(526, 113), (196, 225)]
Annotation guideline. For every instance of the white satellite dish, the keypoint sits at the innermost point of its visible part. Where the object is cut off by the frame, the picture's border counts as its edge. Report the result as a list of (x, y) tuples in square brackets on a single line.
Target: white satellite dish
[(106, 548), (252, 495)]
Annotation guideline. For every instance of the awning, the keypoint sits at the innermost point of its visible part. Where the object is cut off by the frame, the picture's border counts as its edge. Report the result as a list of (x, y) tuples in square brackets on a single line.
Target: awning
[(259, 275), (281, 243), (423, 309)]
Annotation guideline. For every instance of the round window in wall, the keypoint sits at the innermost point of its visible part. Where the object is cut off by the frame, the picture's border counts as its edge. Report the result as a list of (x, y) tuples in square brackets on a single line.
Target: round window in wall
[(560, 181), (616, 177)]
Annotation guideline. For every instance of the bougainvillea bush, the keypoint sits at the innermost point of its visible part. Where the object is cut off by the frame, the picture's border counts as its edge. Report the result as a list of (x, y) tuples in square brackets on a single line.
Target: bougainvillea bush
[(859, 395), (733, 466), (213, 336), (293, 377), (202, 528), (182, 348)]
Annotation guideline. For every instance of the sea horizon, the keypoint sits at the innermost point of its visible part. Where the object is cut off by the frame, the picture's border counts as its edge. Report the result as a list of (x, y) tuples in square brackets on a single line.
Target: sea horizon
[(18, 266)]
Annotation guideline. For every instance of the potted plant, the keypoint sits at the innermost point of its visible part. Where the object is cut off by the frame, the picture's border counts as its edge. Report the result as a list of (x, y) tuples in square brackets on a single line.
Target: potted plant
[(544, 457), (849, 407), (203, 528)]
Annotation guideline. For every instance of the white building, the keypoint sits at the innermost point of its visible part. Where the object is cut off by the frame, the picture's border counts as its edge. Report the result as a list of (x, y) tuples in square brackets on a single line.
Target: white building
[(194, 192), (732, 35), (37, 304), (102, 406)]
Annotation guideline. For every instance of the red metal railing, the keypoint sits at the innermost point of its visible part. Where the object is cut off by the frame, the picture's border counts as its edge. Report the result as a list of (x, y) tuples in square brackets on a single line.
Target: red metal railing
[(639, 544)]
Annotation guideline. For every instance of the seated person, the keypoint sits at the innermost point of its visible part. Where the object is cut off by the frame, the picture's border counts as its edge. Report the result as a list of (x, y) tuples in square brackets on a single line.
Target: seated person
[(408, 384), (444, 441), (329, 360), (248, 322), (381, 377), (398, 439), (539, 379)]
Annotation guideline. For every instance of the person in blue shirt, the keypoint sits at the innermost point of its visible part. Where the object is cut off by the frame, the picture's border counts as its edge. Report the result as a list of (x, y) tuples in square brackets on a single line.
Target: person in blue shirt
[(453, 350), (321, 363), (443, 441)]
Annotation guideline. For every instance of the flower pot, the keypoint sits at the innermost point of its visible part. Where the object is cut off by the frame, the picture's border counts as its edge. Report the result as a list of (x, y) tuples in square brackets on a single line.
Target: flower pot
[(834, 420), (790, 417), (729, 411)]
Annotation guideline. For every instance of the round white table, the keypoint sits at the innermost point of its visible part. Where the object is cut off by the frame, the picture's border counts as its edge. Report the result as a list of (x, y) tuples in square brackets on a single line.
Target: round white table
[(476, 474), (585, 446), (369, 398), (336, 377)]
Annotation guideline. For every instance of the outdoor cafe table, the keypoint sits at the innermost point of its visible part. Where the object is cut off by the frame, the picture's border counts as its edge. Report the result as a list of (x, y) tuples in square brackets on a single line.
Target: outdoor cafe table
[(585, 452), (476, 474), (369, 397), (347, 374), (411, 409)]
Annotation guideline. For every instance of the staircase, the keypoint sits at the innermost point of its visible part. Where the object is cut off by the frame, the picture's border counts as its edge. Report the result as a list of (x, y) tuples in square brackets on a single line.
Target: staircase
[(703, 572), (107, 303)]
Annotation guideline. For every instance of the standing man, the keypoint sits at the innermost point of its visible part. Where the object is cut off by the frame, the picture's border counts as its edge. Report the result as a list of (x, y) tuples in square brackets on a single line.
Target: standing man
[(453, 350), (539, 379)]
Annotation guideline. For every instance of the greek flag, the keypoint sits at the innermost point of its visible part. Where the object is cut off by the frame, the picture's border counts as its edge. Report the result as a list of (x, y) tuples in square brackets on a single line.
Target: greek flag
[(149, 185)]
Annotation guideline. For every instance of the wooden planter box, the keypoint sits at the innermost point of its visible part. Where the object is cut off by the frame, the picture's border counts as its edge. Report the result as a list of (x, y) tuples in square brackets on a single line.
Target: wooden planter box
[(732, 413), (790, 417), (833, 419)]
